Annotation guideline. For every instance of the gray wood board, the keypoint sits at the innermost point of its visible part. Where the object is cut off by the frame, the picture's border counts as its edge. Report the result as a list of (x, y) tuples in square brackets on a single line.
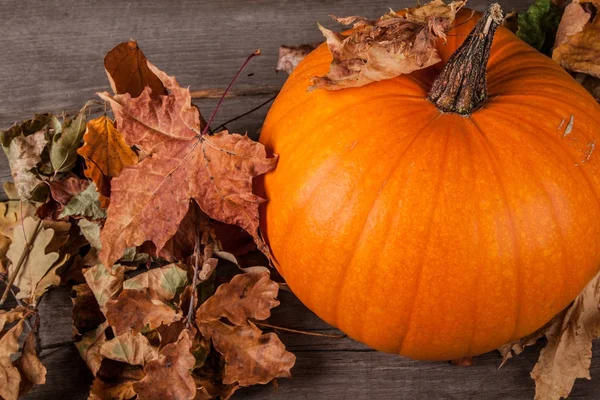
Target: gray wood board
[(51, 61)]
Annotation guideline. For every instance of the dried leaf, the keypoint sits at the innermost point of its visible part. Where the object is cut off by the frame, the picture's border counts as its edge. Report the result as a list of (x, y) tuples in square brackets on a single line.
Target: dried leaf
[(86, 314), (169, 376), (578, 47), (391, 46), (89, 347), (91, 231), (128, 72), (136, 310), (104, 283), (250, 356), (159, 283), (10, 378), (86, 204), (132, 348), (568, 354), (250, 295), (590, 83), (51, 279), (40, 122), (63, 152), (11, 215), (8, 316), (538, 25), (149, 199), (23, 154), (37, 264), (105, 153), (29, 365), (290, 56), (122, 390)]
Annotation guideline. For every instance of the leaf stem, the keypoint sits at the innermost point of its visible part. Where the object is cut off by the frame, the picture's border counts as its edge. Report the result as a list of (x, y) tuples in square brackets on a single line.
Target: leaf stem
[(190, 314), (212, 117), (299, 331), (223, 125), (22, 260)]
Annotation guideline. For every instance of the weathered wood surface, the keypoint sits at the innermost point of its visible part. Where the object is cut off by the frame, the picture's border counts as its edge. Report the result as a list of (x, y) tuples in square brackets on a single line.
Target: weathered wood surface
[(52, 61)]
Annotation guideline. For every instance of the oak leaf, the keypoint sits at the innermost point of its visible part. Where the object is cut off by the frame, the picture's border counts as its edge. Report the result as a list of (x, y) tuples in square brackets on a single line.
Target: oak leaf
[(105, 153), (393, 45), (568, 353), (10, 378), (577, 45), (104, 283), (168, 377), (89, 347), (159, 283), (29, 365), (37, 264), (245, 296), (130, 347), (149, 199), (136, 310), (127, 70), (251, 357)]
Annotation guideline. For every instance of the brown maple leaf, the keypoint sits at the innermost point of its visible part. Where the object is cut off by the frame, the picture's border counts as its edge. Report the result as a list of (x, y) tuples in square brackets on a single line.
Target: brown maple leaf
[(134, 309), (245, 296), (105, 153), (393, 45), (577, 47), (168, 377), (127, 70), (149, 199)]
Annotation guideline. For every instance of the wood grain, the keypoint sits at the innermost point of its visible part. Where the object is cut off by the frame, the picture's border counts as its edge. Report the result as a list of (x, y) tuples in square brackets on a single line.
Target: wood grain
[(51, 61)]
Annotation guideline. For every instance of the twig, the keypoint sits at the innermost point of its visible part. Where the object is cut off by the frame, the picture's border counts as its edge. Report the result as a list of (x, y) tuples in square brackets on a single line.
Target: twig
[(217, 93), (190, 314), (298, 331), (24, 257), (246, 113)]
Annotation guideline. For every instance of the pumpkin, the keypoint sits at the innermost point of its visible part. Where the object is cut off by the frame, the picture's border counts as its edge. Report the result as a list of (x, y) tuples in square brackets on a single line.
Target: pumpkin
[(428, 233)]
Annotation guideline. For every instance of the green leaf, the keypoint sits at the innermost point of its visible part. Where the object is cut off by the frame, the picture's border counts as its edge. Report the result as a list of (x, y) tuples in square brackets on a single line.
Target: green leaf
[(86, 204), (538, 25), (63, 152)]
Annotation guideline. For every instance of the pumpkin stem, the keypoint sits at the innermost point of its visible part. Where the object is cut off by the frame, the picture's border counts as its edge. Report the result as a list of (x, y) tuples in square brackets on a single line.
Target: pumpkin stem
[(461, 87)]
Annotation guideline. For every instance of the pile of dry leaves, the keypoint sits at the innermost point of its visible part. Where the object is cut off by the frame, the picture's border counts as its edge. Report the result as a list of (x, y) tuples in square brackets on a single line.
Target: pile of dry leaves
[(134, 213)]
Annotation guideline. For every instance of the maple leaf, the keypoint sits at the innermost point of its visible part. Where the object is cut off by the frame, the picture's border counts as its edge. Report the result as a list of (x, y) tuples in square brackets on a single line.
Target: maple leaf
[(127, 70), (135, 310), (160, 283), (168, 377), (37, 264), (290, 56), (393, 45), (105, 153), (577, 45), (89, 347), (130, 347), (29, 365), (251, 357), (149, 199), (10, 378), (104, 283), (245, 296)]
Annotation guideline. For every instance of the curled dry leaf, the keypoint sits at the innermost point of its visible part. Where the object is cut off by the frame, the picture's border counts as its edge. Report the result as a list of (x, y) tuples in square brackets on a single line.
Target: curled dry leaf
[(168, 377), (23, 154), (149, 199), (120, 390), (37, 264), (127, 70), (10, 378), (568, 354), (159, 283), (29, 365), (577, 45), (249, 295), (136, 310), (105, 283), (89, 347), (251, 357), (105, 153), (129, 347), (290, 56), (393, 45)]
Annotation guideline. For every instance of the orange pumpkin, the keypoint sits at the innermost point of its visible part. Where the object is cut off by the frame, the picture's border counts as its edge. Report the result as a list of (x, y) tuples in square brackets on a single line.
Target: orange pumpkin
[(427, 233)]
